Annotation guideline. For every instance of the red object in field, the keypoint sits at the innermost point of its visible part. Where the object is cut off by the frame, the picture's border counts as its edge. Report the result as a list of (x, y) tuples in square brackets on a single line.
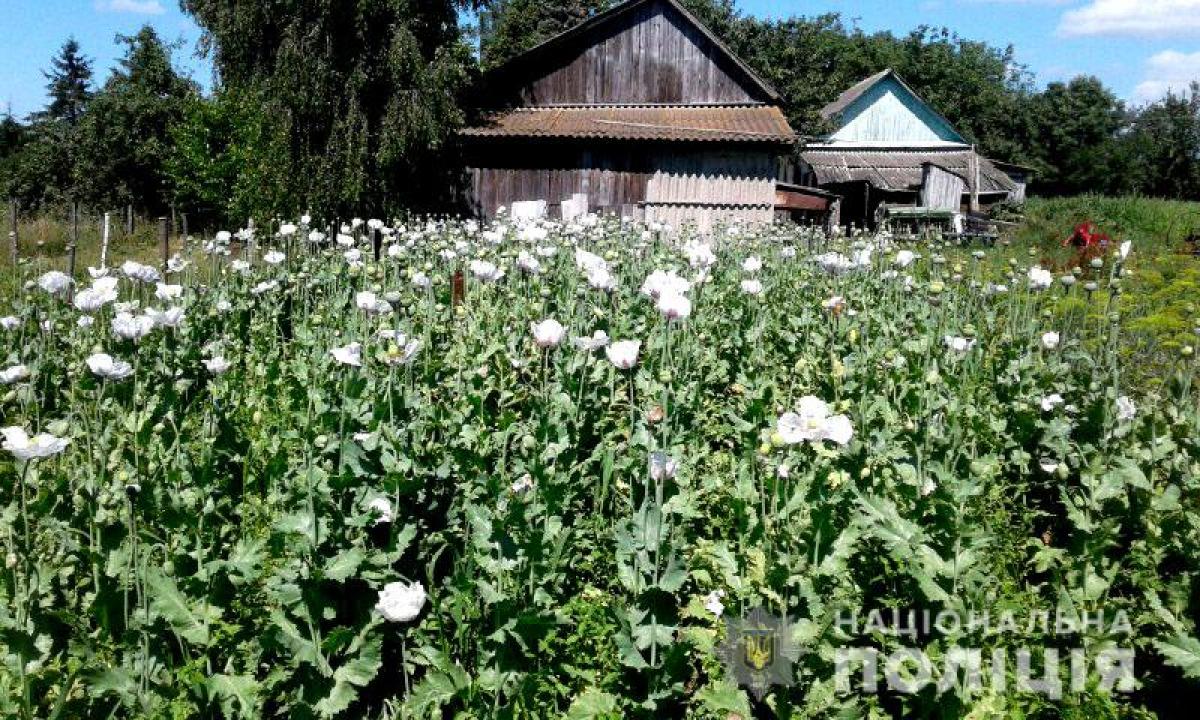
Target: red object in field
[(1087, 235)]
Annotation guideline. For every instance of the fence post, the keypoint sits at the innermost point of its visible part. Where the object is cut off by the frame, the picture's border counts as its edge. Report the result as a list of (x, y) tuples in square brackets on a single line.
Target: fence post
[(183, 219), (12, 233), (129, 219), (376, 242), (104, 242), (72, 246), (164, 239)]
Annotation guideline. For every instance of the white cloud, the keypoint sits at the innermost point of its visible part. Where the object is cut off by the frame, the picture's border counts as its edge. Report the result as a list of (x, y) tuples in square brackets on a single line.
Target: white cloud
[(1169, 70), (1145, 18), (137, 7)]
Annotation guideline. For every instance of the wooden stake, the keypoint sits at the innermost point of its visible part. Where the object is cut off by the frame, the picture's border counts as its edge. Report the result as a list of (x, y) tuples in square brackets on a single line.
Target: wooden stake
[(12, 233), (129, 219), (72, 246), (104, 237), (164, 239)]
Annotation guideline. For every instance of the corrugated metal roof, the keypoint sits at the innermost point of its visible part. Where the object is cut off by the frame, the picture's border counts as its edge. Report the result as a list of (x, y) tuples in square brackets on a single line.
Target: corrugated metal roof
[(900, 169), (747, 123)]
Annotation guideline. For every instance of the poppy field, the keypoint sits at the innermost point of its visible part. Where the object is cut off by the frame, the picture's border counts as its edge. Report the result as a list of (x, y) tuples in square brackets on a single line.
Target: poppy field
[(443, 469)]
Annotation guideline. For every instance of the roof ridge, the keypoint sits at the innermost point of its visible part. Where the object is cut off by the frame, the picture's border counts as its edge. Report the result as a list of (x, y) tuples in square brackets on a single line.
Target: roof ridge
[(628, 6)]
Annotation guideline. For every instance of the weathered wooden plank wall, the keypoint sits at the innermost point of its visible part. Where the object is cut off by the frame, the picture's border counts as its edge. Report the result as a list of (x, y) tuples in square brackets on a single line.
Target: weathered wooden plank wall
[(624, 175), (941, 189), (651, 56)]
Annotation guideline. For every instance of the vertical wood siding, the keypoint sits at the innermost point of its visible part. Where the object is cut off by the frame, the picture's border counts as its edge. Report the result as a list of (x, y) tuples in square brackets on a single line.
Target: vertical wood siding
[(941, 189), (667, 185), (890, 114), (652, 56)]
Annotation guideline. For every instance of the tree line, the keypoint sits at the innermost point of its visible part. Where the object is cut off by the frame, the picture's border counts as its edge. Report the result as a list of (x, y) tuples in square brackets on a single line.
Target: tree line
[(353, 107)]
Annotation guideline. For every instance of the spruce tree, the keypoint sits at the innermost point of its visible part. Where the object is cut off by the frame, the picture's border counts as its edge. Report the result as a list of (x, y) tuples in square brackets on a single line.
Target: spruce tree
[(70, 77)]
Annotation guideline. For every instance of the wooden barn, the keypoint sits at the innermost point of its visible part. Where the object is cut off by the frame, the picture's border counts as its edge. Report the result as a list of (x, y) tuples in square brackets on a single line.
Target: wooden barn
[(890, 152), (640, 111)]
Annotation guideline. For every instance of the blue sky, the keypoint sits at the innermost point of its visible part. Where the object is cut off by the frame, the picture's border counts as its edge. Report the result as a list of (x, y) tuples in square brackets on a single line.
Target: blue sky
[(1140, 48)]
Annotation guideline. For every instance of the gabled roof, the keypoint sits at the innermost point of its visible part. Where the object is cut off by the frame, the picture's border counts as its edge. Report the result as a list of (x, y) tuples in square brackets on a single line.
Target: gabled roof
[(689, 123), (834, 110), (564, 39), (847, 98)]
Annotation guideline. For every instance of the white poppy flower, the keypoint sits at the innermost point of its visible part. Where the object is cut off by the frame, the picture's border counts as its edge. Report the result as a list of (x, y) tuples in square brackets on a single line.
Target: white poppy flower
[(105, 366), (528, 263), (102, 292), (223, 237), (1040, 279), (97, 273), (401, 352), (382, 507), (835, 304), (177, 264), (522, 484), (752, 287), (1050, 340), (751, 264), (904, 258), (85, 321), (813, 423), (601, 279), (264, 287), (661, 283), (486, 271), (585, 260), (274, 257), (547, 333), (348, 355), (369, 302), (1126, 409), (23, 447), (700, 255), (959, 344), (141, 273), (662, 466), (624, 354), (9, 322), (130, 327), (1052, 401), (54, 282), (14, 374), (240, 266), (401, 602), (1125, 248), (834, 263), (287, 230), (421, 280), (598, 340), (172, 317), (166, 292), (713, 604), (674, 306), (217, 365)]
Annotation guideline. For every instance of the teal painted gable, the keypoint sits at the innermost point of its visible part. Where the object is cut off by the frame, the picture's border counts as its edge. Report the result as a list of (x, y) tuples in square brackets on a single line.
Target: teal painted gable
[(888, 113)]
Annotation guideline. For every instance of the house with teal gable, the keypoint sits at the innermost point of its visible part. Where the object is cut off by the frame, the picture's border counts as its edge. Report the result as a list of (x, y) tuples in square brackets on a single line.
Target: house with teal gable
[(892, 152)]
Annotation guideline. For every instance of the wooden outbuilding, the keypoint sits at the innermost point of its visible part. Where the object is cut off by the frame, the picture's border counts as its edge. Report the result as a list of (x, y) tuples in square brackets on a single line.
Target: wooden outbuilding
[(891, 149), (639, 111)]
